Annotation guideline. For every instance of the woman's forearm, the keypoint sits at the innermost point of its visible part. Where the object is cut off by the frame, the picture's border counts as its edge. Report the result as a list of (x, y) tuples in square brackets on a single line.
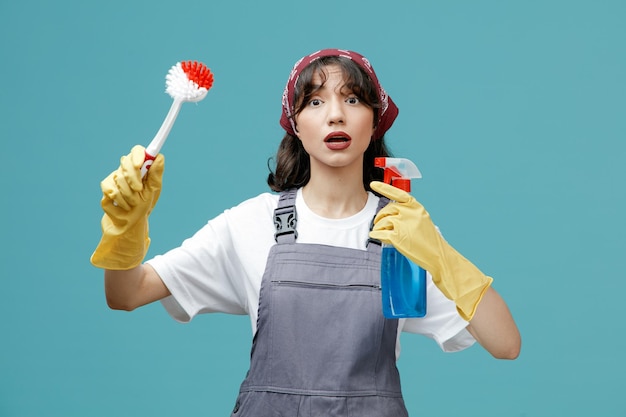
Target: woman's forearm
[(494, 328), (129, 289)]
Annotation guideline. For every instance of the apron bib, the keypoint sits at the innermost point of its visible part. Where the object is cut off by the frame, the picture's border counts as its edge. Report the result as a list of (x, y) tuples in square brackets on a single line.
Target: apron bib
[(322, 346)]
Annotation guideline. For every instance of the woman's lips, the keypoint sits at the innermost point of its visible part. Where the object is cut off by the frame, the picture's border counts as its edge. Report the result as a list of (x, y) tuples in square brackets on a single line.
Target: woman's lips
[(337, 141)]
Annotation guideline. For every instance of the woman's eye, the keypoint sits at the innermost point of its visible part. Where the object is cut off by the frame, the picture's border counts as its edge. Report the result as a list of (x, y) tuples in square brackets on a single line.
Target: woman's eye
[(353, 100), (315, 102)]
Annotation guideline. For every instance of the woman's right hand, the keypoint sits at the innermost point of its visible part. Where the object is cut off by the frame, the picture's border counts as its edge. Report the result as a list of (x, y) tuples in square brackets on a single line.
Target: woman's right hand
[(127, 201)]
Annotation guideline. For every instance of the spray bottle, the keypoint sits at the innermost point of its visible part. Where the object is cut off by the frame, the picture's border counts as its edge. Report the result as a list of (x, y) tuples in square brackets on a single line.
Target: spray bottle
[(403, 283)]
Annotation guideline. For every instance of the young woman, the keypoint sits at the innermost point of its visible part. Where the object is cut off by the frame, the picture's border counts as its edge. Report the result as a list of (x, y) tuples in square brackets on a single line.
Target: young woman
[(304, 263)]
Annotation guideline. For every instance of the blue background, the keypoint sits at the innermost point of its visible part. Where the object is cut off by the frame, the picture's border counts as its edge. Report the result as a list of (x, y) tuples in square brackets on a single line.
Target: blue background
[(513, 110)]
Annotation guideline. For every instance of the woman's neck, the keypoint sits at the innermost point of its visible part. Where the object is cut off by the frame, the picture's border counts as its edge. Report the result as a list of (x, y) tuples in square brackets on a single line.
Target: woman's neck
[(335, 196)]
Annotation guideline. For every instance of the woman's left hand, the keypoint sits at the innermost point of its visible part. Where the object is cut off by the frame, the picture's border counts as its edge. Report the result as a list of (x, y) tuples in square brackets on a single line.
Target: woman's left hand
[(405, 224)]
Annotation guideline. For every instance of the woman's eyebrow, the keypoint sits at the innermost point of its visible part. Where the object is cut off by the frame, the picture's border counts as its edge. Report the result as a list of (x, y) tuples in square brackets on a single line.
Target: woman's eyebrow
[(346, 91)]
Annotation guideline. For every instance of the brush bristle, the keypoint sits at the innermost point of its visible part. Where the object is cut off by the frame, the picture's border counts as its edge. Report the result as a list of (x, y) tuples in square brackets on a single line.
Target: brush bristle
[(188, 81), (198, 73)]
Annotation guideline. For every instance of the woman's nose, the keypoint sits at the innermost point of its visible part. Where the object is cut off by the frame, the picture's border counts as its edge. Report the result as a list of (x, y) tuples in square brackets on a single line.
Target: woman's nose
[(336, 114)]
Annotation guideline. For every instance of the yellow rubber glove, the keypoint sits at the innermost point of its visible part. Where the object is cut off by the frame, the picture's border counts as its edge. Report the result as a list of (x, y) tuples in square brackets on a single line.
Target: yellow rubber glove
[(405, 224), (127, 202)]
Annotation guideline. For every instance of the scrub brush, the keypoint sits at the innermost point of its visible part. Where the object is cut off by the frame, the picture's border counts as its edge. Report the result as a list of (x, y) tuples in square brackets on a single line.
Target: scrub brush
[(186, 81)]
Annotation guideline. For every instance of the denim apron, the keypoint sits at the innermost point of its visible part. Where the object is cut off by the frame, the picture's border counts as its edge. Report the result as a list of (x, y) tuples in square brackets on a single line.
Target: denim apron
[(322, 346)]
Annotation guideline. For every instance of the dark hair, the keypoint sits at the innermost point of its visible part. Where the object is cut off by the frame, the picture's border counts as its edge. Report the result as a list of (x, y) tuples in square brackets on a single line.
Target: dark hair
[(293, 168)]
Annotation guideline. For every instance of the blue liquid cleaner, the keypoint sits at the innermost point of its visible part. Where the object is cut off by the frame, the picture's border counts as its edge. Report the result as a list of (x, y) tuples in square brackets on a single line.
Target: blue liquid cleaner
[(403, 285)]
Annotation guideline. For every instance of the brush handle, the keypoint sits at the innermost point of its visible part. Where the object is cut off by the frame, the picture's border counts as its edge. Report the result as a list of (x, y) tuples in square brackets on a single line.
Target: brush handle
[(154, 147)]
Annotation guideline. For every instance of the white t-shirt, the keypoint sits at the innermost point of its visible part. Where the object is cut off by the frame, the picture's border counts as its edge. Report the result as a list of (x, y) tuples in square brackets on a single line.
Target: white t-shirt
[(220, 268)]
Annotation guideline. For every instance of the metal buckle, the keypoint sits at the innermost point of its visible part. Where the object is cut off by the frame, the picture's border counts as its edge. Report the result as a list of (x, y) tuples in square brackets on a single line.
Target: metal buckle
[(285, 220)]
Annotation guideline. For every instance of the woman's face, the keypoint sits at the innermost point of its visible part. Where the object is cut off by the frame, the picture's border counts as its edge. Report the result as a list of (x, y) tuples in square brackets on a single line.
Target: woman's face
[(335, 127)]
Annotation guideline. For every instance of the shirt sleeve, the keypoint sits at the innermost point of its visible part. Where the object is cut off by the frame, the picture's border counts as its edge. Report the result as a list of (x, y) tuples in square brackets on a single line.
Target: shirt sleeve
[(197, 274), (214, 271), (442, 322)]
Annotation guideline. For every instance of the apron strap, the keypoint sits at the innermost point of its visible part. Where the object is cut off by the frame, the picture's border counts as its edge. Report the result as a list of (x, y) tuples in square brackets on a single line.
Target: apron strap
[(286, 218), (382, 202)]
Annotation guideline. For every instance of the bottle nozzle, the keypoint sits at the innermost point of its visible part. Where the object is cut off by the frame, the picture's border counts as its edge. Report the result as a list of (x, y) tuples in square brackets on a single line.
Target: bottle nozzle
[(398, 171)]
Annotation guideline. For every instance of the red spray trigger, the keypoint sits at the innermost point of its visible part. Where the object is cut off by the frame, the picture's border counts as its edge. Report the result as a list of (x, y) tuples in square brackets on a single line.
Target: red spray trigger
[(398, 171)]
